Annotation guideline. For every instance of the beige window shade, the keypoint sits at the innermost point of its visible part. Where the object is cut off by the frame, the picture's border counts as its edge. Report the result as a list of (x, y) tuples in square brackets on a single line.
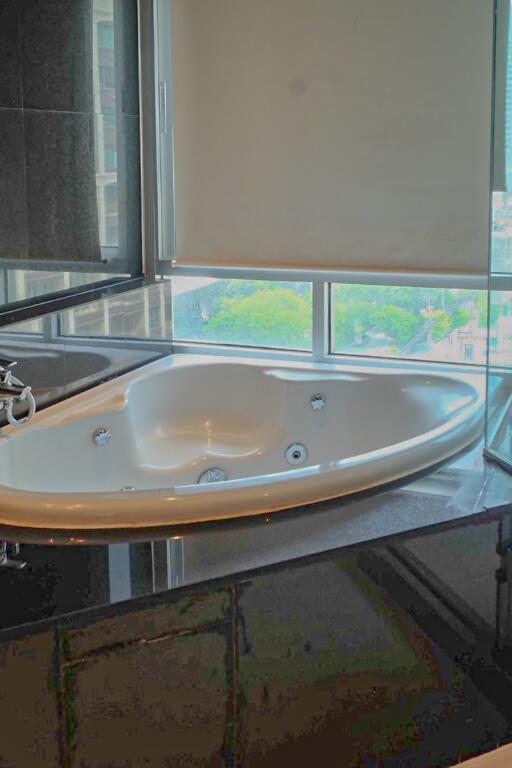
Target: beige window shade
[(336, 133)]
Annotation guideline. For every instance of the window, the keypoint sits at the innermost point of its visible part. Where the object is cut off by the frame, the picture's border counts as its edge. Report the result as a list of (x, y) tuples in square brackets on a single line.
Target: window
[(299, 309), (106, 34), (110, 157), (111, 200), (126, 315), (500, 328), (111, 235), (441, 324), (107, 77), (432, 324), (262, 313), (108, 214)]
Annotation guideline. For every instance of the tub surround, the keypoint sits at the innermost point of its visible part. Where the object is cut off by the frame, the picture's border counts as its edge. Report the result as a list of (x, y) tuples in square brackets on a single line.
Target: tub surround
[(259, 641)]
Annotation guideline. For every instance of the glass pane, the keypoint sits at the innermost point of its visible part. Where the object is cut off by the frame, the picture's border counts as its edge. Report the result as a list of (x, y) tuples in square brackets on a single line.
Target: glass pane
[(27, 327), (257, 313), (501, 232), (500, 328), (499, 380), (441, 324), (138, 314), (499, 373), (25, 284)]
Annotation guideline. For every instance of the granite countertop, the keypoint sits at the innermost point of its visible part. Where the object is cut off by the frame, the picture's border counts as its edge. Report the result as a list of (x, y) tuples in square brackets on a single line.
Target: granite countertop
[(100, 570)]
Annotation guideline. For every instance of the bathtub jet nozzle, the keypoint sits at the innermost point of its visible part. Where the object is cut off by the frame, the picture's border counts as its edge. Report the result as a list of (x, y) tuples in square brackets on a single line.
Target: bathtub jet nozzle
[(101, 436), (296, 453), (318, 402)]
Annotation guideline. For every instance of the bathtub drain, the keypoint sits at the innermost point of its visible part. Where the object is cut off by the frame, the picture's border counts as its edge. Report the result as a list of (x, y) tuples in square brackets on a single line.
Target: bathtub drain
[(296, 453), (212, 475)]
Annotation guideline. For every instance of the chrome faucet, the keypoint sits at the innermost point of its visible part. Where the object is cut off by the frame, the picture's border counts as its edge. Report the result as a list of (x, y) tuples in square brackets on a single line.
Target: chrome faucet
[(13, 391)]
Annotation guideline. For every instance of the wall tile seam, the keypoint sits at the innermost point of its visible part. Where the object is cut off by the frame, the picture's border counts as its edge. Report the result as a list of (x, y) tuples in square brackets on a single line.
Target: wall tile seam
[(93, 113), (218, 625)]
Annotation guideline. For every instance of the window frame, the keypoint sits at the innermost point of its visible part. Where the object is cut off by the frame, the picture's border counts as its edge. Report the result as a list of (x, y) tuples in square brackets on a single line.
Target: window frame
[(166, 264)]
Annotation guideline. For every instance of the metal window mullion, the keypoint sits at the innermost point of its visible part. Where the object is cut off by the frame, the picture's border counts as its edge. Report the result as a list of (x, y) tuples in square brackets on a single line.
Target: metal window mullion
[(164, 130), (148, 128), (320, 321)]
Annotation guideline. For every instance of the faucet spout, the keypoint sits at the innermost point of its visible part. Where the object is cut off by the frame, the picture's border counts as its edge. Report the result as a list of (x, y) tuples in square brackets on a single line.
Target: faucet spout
[(13, 389)]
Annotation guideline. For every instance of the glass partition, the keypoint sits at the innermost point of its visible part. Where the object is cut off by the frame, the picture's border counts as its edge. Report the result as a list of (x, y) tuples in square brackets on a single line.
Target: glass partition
[(499, 376), (69, 147)]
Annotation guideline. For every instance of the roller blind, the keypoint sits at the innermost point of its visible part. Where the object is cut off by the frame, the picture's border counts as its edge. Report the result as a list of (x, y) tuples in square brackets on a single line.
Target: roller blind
[(336, 133)]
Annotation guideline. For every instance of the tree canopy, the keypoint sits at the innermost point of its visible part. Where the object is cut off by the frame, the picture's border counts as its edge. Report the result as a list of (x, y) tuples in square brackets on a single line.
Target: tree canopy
[(275, 313), (269, 317)]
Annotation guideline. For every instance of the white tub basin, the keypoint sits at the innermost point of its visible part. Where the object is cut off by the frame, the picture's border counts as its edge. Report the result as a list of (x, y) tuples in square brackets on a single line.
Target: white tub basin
[(173, 419)]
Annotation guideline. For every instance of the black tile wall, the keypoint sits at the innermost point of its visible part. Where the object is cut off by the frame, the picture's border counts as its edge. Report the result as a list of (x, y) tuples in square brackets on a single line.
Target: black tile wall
[(128, 42), (10, 64), (57, 56), (13, 204), (60, 185), (129, 192), (65, 65)]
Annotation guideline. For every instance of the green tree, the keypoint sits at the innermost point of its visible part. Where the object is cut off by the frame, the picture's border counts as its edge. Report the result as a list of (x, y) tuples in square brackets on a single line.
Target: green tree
[(442, 324), (460, 317), (481, 308), (272, 316), (351, 319), (399, 324)]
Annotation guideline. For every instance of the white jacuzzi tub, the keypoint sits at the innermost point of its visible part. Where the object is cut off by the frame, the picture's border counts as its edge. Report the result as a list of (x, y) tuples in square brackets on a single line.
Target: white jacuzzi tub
[(173, 419)]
